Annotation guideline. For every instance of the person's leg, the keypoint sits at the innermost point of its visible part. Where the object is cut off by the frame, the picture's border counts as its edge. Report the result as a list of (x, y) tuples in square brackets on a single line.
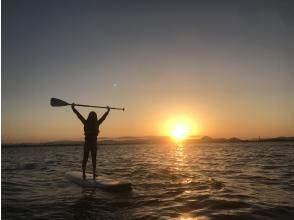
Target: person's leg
[(94, 155), (85, 159)]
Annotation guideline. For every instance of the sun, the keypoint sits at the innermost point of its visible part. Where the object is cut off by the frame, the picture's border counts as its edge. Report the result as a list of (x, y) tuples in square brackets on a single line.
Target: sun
[(179, 127), (179, 132)]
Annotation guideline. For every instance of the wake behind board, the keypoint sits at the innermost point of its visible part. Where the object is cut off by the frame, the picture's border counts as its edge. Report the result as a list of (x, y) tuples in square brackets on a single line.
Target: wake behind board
[(102, 182)]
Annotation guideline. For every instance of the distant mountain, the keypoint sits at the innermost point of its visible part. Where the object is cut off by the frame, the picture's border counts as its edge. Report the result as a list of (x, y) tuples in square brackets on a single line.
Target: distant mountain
[(277, 139), (234, 139), (218, 140)]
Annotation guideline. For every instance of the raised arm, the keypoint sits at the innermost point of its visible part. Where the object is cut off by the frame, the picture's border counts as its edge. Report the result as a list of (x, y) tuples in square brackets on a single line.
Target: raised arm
[(83, 120), (103, 116)]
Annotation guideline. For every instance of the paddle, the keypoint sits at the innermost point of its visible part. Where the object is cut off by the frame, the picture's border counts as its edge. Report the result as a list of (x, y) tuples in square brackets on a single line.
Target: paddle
[(60, 103)]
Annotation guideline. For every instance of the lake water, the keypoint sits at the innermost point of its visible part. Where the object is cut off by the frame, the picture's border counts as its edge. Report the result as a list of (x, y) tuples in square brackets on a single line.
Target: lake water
[(195, 181)]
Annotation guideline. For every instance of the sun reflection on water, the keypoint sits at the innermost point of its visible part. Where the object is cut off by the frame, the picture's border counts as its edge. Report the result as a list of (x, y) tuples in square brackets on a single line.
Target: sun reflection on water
[(179, 157), (182, 166)]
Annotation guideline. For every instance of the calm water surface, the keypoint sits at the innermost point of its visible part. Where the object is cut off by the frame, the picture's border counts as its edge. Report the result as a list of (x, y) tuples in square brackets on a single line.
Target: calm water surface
[(199, 181)]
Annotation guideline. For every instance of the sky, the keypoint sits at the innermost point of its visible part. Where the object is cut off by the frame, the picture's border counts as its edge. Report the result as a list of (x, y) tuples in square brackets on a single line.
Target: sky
[(225, 68)]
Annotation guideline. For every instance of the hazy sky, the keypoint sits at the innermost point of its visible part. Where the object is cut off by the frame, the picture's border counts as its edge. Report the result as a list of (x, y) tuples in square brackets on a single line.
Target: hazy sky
[(225, 66)]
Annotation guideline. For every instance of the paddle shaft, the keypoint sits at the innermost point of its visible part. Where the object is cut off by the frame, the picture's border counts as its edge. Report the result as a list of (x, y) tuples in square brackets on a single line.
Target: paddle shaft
[(94, 106)]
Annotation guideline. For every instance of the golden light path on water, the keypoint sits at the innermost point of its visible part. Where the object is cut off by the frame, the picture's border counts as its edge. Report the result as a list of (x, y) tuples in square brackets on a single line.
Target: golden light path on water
[(181, 165)]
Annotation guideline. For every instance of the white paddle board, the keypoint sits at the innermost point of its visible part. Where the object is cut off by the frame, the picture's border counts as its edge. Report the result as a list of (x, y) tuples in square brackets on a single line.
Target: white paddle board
[(101, 181)]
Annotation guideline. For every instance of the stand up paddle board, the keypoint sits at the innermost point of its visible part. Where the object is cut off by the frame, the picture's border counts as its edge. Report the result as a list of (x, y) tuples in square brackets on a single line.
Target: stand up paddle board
[(102, 182)]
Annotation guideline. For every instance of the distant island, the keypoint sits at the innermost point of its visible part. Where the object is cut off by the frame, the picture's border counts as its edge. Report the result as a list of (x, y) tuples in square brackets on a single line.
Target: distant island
[(152, 140)]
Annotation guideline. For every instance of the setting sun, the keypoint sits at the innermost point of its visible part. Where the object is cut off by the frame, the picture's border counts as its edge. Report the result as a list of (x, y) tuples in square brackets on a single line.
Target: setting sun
[(180, 127), (179, 132)]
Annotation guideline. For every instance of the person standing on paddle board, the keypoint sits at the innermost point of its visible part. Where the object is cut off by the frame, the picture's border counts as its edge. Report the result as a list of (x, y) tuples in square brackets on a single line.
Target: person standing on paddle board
[(91, 131)]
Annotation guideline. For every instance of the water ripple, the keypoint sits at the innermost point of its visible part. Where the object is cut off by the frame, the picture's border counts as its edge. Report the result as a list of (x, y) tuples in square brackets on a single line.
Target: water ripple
[(203, 181)]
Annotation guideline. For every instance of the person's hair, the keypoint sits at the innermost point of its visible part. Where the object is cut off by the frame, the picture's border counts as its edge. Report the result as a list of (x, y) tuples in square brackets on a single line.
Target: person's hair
[(92, 118)]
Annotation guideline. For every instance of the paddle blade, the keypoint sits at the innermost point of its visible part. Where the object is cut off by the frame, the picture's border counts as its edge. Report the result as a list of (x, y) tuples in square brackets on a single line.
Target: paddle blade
[(57, 102)]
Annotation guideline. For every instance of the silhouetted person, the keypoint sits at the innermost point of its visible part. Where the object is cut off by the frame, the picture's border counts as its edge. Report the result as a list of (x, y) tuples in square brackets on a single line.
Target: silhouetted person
[(91, 131)]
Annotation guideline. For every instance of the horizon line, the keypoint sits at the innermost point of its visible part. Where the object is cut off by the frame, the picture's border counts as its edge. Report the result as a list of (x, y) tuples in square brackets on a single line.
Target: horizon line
[(199, 137)]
